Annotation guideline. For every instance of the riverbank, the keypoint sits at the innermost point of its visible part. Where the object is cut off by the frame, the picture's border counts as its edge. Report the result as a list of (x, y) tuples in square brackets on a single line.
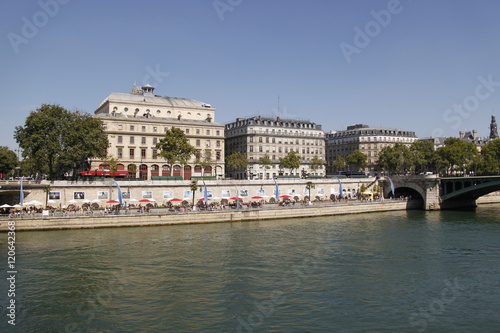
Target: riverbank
[(162, 217), (231, 215)]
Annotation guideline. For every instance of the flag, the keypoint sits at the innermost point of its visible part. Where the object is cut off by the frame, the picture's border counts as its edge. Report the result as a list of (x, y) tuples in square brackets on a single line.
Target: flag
[(340, 188), (392, 185), (276, 191), (21, 193), (205, 193), (120, 196)]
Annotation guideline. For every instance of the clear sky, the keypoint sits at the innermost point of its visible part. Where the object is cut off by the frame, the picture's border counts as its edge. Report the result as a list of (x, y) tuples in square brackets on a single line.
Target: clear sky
[(424, 65)]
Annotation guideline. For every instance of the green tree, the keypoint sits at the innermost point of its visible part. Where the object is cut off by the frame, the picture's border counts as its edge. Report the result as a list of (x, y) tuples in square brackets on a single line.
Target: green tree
[(56, 141), (490, 157), (237, 161), (395, 159), (356, 160), (265, 161), (459, 154), (47, 189), (290, 161), (206, 162), (423, 156), (309, 186), (316, 163), (339, 164), (193, 187), (112, 163), (8, 160), (175, 147)]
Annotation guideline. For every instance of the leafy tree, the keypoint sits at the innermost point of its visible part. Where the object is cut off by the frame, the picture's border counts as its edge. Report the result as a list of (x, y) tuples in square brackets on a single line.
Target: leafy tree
[(395, 159), (175, 147), (339, 164), (265, 161), (290, 161), (193, 187), (237, 161), (206, 162), (316, 163), (423, 156), (459, 154), (56, 140), (112, 163), (490, 157), (309, 186), (8, 160), (356, 160)]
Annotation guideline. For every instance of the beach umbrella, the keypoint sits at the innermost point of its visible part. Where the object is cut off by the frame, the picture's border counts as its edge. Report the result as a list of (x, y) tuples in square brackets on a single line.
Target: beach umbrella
[(36, 203), (145, 200), (51, 201), (6, 206), (202, 199), (72, 201), (133, 200), (112, 201), (285, 196), (174, 199), (236, 198), (258, 197)]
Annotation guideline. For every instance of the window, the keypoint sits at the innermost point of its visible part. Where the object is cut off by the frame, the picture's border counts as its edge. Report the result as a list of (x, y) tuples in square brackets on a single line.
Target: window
[(155, 141), (187, 131), (143, 140), (208, 132), (217, 155), (131, 153), (120, 152), (197, 143), (217, 143), (143, 128), (131, 127), (120, 127), (197, 131), (132, 140), (143, 153), (267, 139), (208, 143), (250, 148), (250, 139), (260, 149), (217, 132), (120, 139), (260, 139), (155, 129), (155, 151)]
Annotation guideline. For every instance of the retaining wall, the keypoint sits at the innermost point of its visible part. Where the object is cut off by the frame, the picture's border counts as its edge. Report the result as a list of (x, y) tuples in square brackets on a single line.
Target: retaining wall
[(148, 219)]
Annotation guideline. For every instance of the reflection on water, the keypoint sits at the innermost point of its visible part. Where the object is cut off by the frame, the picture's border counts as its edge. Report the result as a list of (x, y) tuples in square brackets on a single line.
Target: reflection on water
[(407, 271)]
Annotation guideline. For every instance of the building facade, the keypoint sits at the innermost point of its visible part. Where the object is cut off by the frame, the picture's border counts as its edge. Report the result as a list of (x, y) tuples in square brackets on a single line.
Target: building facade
[(135, 122), (275, 137), (368, 140)]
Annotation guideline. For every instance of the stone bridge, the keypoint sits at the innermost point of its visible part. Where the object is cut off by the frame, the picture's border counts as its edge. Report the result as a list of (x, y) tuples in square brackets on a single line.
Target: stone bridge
[(431, 192)]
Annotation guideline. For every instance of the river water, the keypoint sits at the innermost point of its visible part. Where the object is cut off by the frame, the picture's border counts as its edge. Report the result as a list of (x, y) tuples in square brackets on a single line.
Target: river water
[(405, 271)]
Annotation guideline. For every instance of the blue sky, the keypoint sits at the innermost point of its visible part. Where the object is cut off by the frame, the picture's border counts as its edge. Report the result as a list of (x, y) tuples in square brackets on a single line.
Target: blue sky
[(423, 65)]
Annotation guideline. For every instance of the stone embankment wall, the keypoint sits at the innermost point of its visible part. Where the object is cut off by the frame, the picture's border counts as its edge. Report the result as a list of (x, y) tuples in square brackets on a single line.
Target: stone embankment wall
[(231, 215)]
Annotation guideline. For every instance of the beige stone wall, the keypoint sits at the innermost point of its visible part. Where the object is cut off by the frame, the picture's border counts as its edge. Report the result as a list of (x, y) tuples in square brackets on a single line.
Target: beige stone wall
[(161, 190)]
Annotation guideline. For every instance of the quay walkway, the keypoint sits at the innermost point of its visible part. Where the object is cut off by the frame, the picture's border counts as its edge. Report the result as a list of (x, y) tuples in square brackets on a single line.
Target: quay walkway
[(162, 216)]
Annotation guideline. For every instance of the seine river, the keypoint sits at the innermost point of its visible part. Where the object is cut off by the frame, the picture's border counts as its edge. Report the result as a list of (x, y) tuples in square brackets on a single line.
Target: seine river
[(406, 271)]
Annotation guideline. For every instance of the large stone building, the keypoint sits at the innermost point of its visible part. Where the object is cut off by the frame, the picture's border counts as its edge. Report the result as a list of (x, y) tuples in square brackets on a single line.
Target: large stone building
[(368, 140), (258, 136), (135, 122)]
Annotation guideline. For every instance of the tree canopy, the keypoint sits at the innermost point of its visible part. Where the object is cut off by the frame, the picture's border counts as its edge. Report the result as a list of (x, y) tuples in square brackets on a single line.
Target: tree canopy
[(8, 160), (290, 161), (237, 161), (55, 140), (356, 160), (175, 147), (265, 161)]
